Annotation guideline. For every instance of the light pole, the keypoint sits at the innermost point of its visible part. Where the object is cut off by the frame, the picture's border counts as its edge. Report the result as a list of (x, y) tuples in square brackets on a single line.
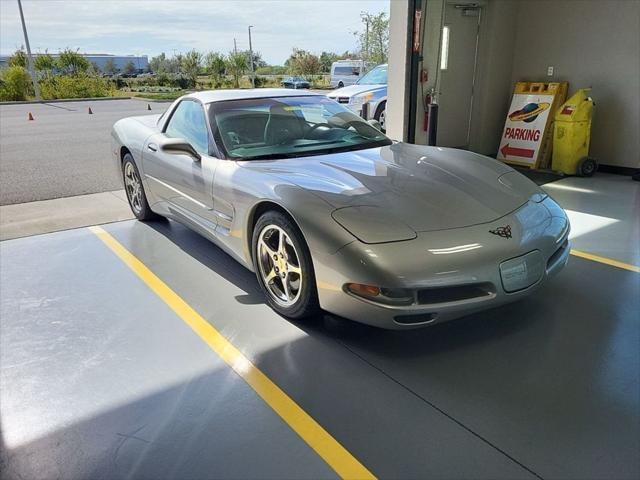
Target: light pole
[(253, 75), (32, 71)]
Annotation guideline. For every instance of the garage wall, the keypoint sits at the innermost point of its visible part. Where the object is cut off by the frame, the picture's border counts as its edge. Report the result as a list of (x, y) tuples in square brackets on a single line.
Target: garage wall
[(493, 88), (589, 43), (399, 43)]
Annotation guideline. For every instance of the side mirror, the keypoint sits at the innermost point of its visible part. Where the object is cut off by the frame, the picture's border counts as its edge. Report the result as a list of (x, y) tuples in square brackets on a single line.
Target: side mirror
[(375, 124), (181, 147)]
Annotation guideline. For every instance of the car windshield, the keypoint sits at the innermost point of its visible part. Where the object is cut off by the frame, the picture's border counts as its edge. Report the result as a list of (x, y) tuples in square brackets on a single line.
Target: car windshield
[(284, 127), (377, 76)]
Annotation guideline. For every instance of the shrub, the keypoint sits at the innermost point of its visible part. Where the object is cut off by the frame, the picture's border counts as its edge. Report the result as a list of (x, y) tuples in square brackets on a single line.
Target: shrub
[(76, 86), (15, 84)]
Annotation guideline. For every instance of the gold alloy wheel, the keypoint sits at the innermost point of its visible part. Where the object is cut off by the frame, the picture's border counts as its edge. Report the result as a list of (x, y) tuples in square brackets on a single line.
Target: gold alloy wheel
[(279, 265)]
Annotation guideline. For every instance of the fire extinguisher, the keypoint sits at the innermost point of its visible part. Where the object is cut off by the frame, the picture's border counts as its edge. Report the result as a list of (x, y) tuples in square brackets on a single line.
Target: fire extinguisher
[(431, 117)]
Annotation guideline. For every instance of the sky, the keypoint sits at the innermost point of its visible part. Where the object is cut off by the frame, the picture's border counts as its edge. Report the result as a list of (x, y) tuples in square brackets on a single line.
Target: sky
[(149, 27)]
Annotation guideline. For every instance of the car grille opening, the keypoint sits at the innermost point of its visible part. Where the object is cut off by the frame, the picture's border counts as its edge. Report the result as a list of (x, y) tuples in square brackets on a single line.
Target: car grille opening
[(419, 318), (455, 293), (343, 99), (553, 259)]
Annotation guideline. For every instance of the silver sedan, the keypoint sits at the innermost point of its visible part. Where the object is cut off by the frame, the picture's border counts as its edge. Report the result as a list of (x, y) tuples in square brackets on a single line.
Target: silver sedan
[(333, 215)]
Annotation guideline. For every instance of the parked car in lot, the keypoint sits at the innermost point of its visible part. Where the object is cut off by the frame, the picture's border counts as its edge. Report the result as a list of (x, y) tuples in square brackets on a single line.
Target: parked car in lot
[(370, 89), (329, 213), (295, 83), (347, 72)]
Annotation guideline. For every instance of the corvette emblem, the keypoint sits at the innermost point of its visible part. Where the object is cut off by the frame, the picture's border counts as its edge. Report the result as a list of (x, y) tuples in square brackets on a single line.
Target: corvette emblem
[(504, 232)]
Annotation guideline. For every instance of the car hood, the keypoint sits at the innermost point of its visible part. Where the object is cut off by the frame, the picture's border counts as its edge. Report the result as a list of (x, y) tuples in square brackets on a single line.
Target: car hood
[(422, 188), (352, 90)]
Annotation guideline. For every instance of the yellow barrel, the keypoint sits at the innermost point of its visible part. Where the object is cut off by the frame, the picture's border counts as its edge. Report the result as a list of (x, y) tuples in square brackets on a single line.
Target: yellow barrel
[(572, 134)]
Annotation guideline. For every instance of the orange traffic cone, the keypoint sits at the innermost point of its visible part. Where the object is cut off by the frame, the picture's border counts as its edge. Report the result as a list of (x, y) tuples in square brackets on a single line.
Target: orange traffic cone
[(31, 116), (90, 112), (148, 106)]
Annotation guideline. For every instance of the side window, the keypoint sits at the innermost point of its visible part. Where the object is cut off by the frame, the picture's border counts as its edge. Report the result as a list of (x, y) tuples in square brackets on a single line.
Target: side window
[(189, 122)]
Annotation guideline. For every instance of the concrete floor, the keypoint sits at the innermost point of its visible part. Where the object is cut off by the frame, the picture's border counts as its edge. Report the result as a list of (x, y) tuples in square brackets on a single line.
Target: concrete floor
[(101, 380)]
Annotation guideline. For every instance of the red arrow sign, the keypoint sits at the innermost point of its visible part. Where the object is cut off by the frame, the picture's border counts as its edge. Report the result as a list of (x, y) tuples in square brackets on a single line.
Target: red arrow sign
[(516, 152)]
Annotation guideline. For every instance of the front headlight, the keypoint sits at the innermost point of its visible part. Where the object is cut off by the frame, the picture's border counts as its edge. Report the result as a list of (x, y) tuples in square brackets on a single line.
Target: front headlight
[(361, 98)]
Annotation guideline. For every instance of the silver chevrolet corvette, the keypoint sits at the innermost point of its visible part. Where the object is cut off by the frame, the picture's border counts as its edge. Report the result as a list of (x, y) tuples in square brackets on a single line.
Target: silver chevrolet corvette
[(331, 214)]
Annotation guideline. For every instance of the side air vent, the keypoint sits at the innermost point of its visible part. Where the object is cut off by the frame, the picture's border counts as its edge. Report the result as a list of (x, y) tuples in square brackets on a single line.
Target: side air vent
[(553, 259), (455, 293)]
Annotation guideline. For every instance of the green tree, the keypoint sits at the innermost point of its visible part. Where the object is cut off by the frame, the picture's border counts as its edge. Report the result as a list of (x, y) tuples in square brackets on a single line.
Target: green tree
[(110, 67), (303, 63), (163, 64), (129, 68), (236, 66), (71, 62), (215, 66), (94, 69), (44, 63), (326, 59), (374, 37), (258, 62), (18, 58), (190, 65), (158, 63), (15, 84)]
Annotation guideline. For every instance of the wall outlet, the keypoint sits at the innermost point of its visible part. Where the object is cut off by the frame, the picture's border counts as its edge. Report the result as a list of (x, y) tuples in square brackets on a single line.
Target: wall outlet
[(549, 71)]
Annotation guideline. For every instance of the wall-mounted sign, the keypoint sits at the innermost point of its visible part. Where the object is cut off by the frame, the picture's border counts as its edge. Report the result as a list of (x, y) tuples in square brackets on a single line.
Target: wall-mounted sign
[(416, 31)]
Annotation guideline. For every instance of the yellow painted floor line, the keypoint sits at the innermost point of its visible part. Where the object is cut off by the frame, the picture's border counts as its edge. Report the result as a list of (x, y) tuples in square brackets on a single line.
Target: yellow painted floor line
[(336, 456), (608, 261)]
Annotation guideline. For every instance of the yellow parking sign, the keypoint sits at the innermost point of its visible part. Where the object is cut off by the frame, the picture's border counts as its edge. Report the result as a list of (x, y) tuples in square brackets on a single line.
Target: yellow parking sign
[(526, 137)]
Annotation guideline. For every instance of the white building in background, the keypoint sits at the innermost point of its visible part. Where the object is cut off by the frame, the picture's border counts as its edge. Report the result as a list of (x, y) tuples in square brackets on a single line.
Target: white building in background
[(101, 59)]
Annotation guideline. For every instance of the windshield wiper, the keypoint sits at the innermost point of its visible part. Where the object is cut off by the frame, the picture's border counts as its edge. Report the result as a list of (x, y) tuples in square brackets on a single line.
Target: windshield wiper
[(270, 156)]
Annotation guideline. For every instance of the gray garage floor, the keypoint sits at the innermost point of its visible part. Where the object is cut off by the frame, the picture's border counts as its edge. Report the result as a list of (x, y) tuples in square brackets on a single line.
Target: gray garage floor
[(100, 379)]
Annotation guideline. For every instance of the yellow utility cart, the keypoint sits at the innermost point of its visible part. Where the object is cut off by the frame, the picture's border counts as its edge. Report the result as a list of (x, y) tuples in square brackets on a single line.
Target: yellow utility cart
[(572, 134)]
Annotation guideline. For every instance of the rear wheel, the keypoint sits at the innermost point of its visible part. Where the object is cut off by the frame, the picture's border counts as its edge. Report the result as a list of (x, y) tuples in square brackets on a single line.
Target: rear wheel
[(587, 167), (283, 266), (340, 84), (135, 190)]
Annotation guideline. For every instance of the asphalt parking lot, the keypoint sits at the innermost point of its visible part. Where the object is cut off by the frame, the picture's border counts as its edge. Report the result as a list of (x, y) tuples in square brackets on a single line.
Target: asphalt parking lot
[(64, 151)]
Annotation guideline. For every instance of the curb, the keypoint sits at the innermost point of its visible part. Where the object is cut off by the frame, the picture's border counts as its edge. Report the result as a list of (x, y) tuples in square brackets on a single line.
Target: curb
[(144, 99), (64, 100)]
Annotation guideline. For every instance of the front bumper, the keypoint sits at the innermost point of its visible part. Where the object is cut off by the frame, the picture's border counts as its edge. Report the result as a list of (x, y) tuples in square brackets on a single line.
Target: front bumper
[(453, 273)]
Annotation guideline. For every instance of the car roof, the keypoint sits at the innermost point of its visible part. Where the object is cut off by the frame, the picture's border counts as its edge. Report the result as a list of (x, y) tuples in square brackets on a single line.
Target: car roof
[(211, 96)]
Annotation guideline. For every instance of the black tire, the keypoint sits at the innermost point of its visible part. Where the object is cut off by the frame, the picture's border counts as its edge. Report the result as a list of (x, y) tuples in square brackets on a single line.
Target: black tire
[(380, 111), (306, 303), (340, 84), (139, 207), (587, 167)]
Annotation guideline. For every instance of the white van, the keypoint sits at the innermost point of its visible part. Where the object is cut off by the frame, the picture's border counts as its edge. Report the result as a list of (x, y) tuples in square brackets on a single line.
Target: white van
[(346, 72)]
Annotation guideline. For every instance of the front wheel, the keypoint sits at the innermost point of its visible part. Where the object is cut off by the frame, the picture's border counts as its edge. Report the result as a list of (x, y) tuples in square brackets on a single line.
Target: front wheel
[(135, 190), (283, 266), (381, 115)]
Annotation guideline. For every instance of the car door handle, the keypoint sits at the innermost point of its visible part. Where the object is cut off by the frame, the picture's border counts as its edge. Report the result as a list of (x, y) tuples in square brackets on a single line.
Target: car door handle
[(153, 147)]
